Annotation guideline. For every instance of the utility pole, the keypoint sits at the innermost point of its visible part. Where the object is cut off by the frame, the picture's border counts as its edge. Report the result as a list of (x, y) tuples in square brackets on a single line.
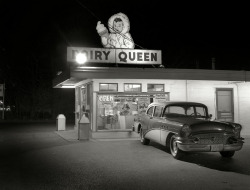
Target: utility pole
[(3, 99), (213, 63), (2, 87)]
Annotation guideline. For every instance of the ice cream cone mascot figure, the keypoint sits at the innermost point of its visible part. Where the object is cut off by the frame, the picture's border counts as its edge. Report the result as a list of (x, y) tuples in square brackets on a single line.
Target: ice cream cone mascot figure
[(118, 35)]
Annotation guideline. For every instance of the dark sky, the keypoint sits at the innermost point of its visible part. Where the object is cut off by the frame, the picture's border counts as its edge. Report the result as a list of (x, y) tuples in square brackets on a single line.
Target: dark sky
[(35, 34), (189, 34)]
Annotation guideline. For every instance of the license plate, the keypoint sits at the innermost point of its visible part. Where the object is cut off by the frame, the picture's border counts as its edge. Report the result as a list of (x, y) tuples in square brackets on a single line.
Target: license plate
[(217, 147)]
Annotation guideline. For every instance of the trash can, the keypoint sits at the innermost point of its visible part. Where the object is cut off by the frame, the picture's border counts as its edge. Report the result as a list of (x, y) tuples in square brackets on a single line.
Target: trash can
[(61, 122), (83, 128)]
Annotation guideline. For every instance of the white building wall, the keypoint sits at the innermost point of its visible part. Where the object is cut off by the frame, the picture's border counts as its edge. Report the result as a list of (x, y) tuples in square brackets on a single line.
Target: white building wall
[(177, 90), (204, 92), (244, 107), (198, 91)]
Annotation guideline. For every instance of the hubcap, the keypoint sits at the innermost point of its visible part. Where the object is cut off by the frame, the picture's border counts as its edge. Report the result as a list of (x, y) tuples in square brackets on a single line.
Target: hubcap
[(174, 147)]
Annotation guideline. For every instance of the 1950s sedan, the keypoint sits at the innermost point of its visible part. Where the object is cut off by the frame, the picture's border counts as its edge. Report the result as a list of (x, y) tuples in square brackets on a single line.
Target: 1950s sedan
[(187, 127)]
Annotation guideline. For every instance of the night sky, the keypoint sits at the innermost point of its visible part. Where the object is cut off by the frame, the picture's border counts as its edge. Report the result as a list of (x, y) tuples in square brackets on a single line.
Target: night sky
[(35, 34), (186, 33)]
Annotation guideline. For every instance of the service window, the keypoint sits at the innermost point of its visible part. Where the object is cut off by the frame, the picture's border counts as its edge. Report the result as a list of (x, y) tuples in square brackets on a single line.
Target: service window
[(108, 87), (155, 87), (132, 87)]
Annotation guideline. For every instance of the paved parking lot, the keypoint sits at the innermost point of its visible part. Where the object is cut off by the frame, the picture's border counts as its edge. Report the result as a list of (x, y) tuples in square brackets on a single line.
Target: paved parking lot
[(34, 156)]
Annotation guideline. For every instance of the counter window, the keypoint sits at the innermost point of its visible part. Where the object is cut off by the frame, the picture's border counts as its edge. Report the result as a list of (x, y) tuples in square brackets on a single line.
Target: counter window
[(118, 111)]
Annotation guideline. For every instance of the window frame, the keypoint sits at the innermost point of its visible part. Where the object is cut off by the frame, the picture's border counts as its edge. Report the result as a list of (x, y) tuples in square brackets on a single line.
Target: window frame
[(108, 90), (156, 109), (132, 87), (163, 85), (149, 109)]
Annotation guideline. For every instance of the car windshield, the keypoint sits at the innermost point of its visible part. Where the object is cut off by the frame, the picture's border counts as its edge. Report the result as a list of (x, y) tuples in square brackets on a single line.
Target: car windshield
[(185, 110)]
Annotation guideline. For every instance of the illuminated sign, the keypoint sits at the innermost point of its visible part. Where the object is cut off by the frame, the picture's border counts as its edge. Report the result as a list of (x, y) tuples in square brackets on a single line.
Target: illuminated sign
[(120, 56), (106, 98), (118, 46)]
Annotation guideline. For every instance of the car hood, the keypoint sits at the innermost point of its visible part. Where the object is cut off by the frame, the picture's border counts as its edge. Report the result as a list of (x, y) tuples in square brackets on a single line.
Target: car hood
[(199, 125)]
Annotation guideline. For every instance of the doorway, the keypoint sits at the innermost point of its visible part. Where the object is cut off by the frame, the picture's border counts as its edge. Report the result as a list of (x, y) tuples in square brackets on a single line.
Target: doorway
[(225, 104)]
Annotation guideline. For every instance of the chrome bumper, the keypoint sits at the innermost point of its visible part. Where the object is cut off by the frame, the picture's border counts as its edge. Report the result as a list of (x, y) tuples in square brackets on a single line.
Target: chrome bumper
[(209, 147)]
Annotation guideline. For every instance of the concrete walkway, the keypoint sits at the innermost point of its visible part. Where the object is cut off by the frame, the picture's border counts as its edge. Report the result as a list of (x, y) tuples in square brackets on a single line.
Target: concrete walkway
[(72, 135)]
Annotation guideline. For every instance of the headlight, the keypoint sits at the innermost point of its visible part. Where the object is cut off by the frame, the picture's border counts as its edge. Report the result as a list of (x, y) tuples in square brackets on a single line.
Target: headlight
[(185, 131), (237, 129)]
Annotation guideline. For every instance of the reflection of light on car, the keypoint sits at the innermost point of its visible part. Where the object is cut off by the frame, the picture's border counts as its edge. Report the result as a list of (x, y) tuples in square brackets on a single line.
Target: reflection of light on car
[(7, 108)]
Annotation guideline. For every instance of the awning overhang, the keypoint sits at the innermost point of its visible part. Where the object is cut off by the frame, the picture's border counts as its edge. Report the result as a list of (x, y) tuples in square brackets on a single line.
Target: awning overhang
[(78, 74)]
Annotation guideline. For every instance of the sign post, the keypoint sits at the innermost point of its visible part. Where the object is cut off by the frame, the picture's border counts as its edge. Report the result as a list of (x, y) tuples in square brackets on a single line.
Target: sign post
[(2, 95)]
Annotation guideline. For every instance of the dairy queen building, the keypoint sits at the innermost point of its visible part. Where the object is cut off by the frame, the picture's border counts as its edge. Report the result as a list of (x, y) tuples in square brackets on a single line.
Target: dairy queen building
[(111, 96)]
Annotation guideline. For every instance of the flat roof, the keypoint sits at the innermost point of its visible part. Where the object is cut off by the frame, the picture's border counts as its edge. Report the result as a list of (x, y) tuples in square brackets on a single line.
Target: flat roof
[(78, 74)]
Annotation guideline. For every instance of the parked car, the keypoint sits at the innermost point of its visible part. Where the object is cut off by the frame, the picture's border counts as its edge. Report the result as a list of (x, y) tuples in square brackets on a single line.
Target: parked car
[(187, 127)]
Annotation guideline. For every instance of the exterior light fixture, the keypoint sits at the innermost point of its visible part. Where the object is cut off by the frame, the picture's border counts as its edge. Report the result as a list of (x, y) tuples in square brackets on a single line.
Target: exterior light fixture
[(67, 86), (81, 58)]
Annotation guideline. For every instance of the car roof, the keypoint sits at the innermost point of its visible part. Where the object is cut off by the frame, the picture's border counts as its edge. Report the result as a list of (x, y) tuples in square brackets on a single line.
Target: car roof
[(165, 103)]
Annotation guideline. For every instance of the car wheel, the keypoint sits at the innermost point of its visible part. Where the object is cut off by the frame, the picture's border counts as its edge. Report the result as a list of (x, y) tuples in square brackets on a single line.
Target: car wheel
[(168, 144), (144, 141), (175, 151), (227, 154), (138, 129)]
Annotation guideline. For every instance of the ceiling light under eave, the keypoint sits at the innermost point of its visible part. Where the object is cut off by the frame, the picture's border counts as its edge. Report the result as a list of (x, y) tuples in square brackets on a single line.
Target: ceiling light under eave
[(67, 86)]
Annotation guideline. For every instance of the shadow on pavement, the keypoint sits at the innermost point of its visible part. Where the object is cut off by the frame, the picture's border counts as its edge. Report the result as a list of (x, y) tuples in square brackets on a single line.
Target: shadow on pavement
[(239, 163)]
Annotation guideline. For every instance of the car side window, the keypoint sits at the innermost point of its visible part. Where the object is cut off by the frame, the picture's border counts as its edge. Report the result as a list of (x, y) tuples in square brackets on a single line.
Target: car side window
[(190, 111), (172, 111), (176, 109), (201, 111), (150, 111), (158, 111)]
